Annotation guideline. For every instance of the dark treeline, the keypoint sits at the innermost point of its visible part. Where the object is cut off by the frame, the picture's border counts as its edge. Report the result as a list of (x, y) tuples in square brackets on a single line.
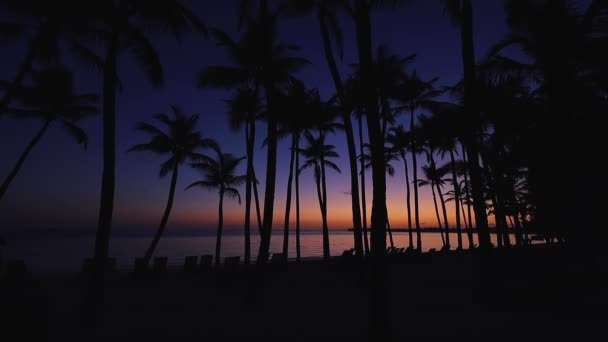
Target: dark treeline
[(512, 139)]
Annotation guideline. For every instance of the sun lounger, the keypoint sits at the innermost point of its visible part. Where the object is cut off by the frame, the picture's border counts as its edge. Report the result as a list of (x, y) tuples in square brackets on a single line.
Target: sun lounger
[(160, 264), (206, 262)]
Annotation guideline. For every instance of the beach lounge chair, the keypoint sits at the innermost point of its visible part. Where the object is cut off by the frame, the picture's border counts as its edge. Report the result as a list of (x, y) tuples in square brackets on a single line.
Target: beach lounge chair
[(431, 251), (232, 263), (206, 262), (190, 263), (348, 252), (140, 266), (160, 264)]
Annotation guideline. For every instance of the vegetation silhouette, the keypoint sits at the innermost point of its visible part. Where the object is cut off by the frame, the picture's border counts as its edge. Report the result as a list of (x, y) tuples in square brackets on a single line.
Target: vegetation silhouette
[(181, 141)]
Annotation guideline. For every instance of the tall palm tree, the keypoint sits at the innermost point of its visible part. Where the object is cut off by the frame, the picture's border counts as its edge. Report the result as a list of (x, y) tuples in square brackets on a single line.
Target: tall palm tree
[(431, 176), (317, 155), (326, 12), (181, 142), (262, 62), (245, 107), (461, 13), (121, 26), (400, 142), (51, 99), (414, 93), (219, 174)]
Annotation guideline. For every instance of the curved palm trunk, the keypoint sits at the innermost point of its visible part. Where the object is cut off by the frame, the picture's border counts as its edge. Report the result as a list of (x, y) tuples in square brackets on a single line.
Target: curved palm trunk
[(409, 203), (106, 207), (363, 199), (288, 198), (248, 181), (443, 209), (437, 213), (472, 107), (271, 173), (220, 226), (164, 219), (456, 197), (468, 196), (415, 174), (326, 250), (364, 44), (320, 198), (297, 167), (24, 68), (348, 129), (24, 155)]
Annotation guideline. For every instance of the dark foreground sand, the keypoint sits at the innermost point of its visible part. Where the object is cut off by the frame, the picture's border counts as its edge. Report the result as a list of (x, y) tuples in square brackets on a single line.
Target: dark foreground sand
[(537, 293)]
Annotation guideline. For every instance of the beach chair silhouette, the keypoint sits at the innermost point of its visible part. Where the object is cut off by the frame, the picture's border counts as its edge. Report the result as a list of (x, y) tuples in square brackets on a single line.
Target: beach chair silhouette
[(206, 262), (160, 264)]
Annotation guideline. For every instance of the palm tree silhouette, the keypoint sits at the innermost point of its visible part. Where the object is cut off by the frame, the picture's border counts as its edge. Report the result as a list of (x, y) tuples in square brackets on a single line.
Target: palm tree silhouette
[(317, 154), (121, 26), (181, 142), (400, 142), (51, 99), (245, 107), (326, 12), (461, 13), (263, 63), (219, 174), (434, 180)]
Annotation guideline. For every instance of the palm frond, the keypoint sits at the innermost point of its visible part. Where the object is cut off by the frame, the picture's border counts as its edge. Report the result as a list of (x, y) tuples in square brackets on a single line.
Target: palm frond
[(146, 55), (76, 132)]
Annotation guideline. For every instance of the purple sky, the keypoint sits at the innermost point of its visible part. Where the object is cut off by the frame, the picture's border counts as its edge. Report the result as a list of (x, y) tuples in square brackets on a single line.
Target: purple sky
[(59, 184)]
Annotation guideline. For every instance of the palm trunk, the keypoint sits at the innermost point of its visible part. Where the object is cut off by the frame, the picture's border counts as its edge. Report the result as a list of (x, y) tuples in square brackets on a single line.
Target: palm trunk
[(466, 223), (24, 68), (220, 225), (409, 204), (364, 44), (297, 167), (257, 199), (326, 251), (106, 207), (472, 108), (271, 173), (320, 198), (348, 129), (164, 219), (468, 196), (456, 197), (446, 225), (440, 226), (415, 174), (24, 155), (390, 231), (288, 198), (248, 181), (363, 199)]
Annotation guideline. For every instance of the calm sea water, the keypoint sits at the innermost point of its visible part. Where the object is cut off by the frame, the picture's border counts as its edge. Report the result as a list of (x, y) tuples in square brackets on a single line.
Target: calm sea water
[(66, 254)]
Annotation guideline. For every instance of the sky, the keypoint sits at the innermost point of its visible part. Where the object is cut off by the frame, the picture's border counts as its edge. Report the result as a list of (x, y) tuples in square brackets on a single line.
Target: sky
[(59, 184)]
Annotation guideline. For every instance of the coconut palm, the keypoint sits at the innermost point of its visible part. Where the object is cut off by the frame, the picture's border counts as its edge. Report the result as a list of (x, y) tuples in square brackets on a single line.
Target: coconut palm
[(52, 100), (461, 14), (317, 155), (181, 142), (434, 180), (400, 141), (121, 26), (326, 12), (219, 175), (261, 62), (245, 107)]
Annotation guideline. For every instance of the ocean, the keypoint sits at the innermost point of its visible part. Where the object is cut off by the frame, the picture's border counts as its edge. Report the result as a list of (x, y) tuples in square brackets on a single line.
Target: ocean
[(66, 252)]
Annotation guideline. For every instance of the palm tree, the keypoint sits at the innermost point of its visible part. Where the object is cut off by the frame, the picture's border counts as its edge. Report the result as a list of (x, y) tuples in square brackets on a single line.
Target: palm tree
[(245, 107), (461, 13), (400, 141), (414, 93), (431, 177), (181, 142), (326, 12), (51, 99), (47, 23), (317, 154), (260, 61), (219, 174), (120, 25)]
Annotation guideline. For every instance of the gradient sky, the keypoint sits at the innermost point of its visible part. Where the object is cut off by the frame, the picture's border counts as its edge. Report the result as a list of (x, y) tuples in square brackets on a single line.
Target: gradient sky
[(59, 184)]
